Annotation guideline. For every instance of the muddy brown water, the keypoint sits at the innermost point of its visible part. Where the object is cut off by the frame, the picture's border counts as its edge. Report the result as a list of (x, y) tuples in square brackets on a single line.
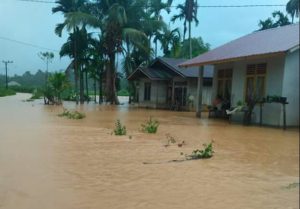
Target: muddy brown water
[(54, 163)]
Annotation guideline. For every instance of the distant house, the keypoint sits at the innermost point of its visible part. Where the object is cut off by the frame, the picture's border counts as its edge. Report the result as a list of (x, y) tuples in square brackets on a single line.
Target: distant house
[(164, 85), (13, 83), (262, 63)]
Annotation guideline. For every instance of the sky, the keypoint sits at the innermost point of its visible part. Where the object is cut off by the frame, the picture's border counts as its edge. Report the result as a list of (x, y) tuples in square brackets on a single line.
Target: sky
[(34, 23)]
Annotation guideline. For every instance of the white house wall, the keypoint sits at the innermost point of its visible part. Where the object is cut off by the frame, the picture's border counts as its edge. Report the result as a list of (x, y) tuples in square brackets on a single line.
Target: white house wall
[(206, 92), (275, 66), (158, 94), (291, 87)]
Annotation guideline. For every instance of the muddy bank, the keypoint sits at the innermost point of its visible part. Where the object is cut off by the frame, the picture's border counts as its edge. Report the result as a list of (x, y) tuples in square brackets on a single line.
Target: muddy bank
[(51, 162)]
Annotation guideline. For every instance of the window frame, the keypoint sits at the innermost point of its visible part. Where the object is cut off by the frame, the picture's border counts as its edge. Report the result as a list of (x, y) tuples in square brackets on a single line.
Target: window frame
[(224, 76), (255, 76), (147, 91)]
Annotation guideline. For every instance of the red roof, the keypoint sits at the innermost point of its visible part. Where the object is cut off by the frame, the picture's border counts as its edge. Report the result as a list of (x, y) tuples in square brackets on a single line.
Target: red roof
[(266, 42)]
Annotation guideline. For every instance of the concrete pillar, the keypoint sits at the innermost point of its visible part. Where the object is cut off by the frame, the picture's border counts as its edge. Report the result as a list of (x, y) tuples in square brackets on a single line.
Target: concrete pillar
[(199, 92)]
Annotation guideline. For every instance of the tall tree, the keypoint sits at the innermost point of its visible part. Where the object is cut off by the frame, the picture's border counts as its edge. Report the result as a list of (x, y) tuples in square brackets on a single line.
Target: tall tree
[(292, 8), (188, 12), (155, 9), (75, 15)]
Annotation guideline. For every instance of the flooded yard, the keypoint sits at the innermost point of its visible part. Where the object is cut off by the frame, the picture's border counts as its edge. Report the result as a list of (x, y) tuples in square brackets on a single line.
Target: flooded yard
[(51, 162)]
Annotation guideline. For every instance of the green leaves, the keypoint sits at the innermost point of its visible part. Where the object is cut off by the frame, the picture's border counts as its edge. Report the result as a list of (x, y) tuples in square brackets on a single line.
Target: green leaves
[(119, 130), (150, 126), (207, 152)]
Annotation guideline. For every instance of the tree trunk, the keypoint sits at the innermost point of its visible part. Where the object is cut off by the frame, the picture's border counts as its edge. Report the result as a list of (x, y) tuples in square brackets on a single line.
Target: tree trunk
[(190, 39), (81, 86), (95, 90), (86, 85), (76, 80), (100, 89), (111, 94)]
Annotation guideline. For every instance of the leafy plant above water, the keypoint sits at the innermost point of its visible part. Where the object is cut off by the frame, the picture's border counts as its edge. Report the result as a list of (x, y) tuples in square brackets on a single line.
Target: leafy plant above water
[(207, 152), (151, 126), (72, 114), (119, 129)]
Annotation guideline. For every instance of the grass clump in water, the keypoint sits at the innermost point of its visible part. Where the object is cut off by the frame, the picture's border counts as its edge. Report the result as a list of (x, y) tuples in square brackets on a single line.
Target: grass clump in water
[(207, 152), (119, 130), (72, 114), (151, 126)]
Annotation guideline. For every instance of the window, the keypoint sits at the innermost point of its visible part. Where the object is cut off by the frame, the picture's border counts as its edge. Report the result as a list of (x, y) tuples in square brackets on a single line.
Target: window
[(255, 81), (224, 83), (147, 92)]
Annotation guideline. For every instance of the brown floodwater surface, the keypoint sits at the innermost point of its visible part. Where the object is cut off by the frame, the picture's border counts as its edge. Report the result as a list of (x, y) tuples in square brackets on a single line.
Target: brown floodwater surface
[(51, 162)]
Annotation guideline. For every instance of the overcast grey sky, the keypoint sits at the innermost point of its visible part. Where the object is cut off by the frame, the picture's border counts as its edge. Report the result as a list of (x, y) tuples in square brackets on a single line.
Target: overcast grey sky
[(34, 23)]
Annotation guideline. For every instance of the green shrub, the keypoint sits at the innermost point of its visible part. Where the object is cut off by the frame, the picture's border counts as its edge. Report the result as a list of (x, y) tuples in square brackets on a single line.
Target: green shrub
[(123, 92), (6, 92), (37, 94), (72, 114), (119, 129), (151, 126), (22, 89), (207, 152)]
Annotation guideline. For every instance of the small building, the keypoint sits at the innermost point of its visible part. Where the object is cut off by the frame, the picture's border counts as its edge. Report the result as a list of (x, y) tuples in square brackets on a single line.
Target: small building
[(13, 83), (263, 63), (164, 85)]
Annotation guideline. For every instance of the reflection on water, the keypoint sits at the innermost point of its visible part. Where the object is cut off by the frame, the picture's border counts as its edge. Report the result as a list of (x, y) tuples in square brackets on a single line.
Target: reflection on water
[(51, 162)]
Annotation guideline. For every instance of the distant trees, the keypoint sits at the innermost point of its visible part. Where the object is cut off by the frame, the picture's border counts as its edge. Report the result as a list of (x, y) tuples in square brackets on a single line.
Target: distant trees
[(279, 19)]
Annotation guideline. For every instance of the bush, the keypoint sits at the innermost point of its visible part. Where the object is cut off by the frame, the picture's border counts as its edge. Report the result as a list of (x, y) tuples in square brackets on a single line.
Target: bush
[(207, 152), (22, 89), (151, 126), (123, 92), (119, 129), (72, 115), (37, 94), (7, 92)]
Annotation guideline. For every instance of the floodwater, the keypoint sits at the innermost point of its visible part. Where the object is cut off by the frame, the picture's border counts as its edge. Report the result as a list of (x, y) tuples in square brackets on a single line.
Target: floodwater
[(50, 162)]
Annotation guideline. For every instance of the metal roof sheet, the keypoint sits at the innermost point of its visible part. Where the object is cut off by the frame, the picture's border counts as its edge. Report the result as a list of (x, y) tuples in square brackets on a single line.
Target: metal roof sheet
[(275, 40)]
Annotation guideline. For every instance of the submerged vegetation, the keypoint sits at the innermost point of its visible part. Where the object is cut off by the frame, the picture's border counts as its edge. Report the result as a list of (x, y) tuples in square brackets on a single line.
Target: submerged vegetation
[(207, 152), (119, 130), (6, 92), (72, 114), (150, 126)]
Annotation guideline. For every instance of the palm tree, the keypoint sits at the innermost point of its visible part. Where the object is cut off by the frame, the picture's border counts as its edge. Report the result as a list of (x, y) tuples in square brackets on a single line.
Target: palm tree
[(292, 8), (188, 12), (170, 42), (116, 32), (75, 14), (155, 8)]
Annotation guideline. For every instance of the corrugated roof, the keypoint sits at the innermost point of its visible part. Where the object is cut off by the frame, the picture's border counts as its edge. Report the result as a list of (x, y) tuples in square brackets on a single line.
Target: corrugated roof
[(191, 72), (276, 40), (155, 73)]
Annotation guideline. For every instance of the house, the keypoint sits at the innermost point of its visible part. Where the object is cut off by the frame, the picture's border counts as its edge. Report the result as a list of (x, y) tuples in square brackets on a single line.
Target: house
[(164, 85), (263, 63), (13, 83)]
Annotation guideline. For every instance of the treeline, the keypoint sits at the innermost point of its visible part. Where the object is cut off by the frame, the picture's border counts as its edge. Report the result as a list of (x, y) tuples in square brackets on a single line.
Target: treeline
[(132, 30)]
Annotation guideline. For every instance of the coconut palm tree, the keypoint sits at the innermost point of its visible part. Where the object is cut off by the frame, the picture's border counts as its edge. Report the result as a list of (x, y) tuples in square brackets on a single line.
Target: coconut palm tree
[(116, 32), (292, 8), (155, 9), (188, 12), (170, 42)]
